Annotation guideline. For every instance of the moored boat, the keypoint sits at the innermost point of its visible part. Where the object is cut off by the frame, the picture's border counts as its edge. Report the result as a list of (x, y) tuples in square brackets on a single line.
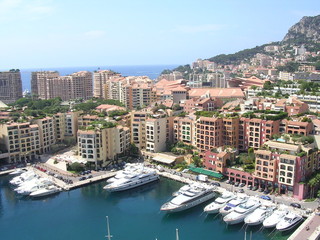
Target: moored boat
[(194, 196), (49, 190), (288, 222), (219, 203)]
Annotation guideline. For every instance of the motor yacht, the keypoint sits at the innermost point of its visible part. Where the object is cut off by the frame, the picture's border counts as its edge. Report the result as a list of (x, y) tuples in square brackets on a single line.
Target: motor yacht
[(129, 169), (289, 221), (186, 188), (230, 206), (49, 190), (274, 218), (41, 183), (23, 178), (241, 211), (132, 180), (220, 202), (258, 216), (195, 195), (18, 171)]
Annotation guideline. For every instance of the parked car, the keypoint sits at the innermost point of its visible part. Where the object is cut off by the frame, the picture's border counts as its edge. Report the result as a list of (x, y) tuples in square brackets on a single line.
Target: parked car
[(232, 183), (236, 184), (228, 181), (241, 190), (249, 187), (90, 176), (265, 197), (261, 190), (82, 178), (295, 205), (267, 191), (254, 188), (216, 184), (242, 184)]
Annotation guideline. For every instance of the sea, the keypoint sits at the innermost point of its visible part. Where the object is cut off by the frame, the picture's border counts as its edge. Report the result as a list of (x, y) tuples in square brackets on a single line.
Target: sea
[(152, 71), (80, 214)]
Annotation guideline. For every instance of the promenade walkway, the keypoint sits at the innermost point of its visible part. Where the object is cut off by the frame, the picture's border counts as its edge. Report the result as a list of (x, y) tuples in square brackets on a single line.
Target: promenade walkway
[(308, 230)]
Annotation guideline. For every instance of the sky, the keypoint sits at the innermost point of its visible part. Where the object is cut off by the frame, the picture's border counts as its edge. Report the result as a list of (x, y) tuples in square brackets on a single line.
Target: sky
[(68, 33)]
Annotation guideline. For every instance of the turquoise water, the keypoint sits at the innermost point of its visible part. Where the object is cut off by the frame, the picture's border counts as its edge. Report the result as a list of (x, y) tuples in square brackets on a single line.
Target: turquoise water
[(81, 214)]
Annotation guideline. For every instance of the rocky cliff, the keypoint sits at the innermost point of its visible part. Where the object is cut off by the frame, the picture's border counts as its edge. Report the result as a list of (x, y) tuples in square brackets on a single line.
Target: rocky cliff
[(307, 29)]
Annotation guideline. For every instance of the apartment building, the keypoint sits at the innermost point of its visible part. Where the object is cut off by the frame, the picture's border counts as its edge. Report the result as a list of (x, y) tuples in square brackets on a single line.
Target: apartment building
[(296, 127), (138, 129), (10, 86), (39, 82), (209, 133), (20, 142), (254, 132), (86, 120), (66, 125), (102, 145), (49, 85), (156, 134), (46, 133), (184, 129), (285, 166), (100, 78)]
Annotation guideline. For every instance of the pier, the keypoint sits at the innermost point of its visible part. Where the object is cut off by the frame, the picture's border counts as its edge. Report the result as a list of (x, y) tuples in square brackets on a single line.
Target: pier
[(65, 186)]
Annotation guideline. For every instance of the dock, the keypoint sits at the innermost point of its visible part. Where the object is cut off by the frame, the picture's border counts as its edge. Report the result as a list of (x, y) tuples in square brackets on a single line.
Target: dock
[(66, 187), (308, 230)]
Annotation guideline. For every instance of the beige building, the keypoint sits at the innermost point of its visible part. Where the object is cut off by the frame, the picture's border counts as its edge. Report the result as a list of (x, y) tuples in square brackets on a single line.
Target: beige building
[(100, 145), (66, 125), (49, 85), (20, 142), (10, 86), (39, 82), (138, 129), (100, 78), (156, 134), (184, 130), (46, 133)]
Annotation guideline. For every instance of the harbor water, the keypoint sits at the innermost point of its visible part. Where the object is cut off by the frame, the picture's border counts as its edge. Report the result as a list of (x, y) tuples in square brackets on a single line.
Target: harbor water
[(134, 214)]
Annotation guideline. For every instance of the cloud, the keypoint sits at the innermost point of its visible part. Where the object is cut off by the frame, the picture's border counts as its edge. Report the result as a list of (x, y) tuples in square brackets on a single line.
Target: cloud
[(24, 9), (95, 34), (198, 28)]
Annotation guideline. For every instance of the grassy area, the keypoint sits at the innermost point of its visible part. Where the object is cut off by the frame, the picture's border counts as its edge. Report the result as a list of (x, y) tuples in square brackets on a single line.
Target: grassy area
[(310, 200)]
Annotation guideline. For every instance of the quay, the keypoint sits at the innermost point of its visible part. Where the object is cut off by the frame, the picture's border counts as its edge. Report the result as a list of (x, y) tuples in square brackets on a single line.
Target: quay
[(308, 230), (66, 187)]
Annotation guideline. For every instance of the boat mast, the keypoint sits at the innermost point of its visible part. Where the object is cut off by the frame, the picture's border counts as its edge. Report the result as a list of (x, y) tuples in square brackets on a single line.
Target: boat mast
[(177, 234), (108, 229)]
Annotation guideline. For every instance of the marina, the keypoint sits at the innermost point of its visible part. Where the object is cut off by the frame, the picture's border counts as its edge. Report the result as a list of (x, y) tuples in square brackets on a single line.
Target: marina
[(84, 210)]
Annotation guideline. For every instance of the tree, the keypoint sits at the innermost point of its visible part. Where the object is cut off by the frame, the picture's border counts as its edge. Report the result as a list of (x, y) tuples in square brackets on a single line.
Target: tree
[(77, 167), (196, 160), (267, 85)]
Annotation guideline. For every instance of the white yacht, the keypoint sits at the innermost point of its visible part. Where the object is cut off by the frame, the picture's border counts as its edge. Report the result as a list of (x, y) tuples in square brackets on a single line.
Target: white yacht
[(230, 206), (220, 202), (129, 169), (274, 218), (132, 180), (241, 211), (195, 195), (289, 221), (41, 183), (23, 178), (186, 188), (18, 171), (258, 216), (49, 190)]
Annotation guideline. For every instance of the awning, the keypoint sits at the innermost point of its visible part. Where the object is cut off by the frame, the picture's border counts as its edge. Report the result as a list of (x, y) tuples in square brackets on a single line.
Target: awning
[(164, 160), (206, 172)]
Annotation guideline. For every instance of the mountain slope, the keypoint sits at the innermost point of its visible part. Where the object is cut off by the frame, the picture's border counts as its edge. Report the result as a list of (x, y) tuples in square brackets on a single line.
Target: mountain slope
[(307, 29)]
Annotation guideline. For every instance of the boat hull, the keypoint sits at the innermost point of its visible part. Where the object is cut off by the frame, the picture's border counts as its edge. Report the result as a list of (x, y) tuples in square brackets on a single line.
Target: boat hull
[(188, 205), (289, 227), (130, 185)]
